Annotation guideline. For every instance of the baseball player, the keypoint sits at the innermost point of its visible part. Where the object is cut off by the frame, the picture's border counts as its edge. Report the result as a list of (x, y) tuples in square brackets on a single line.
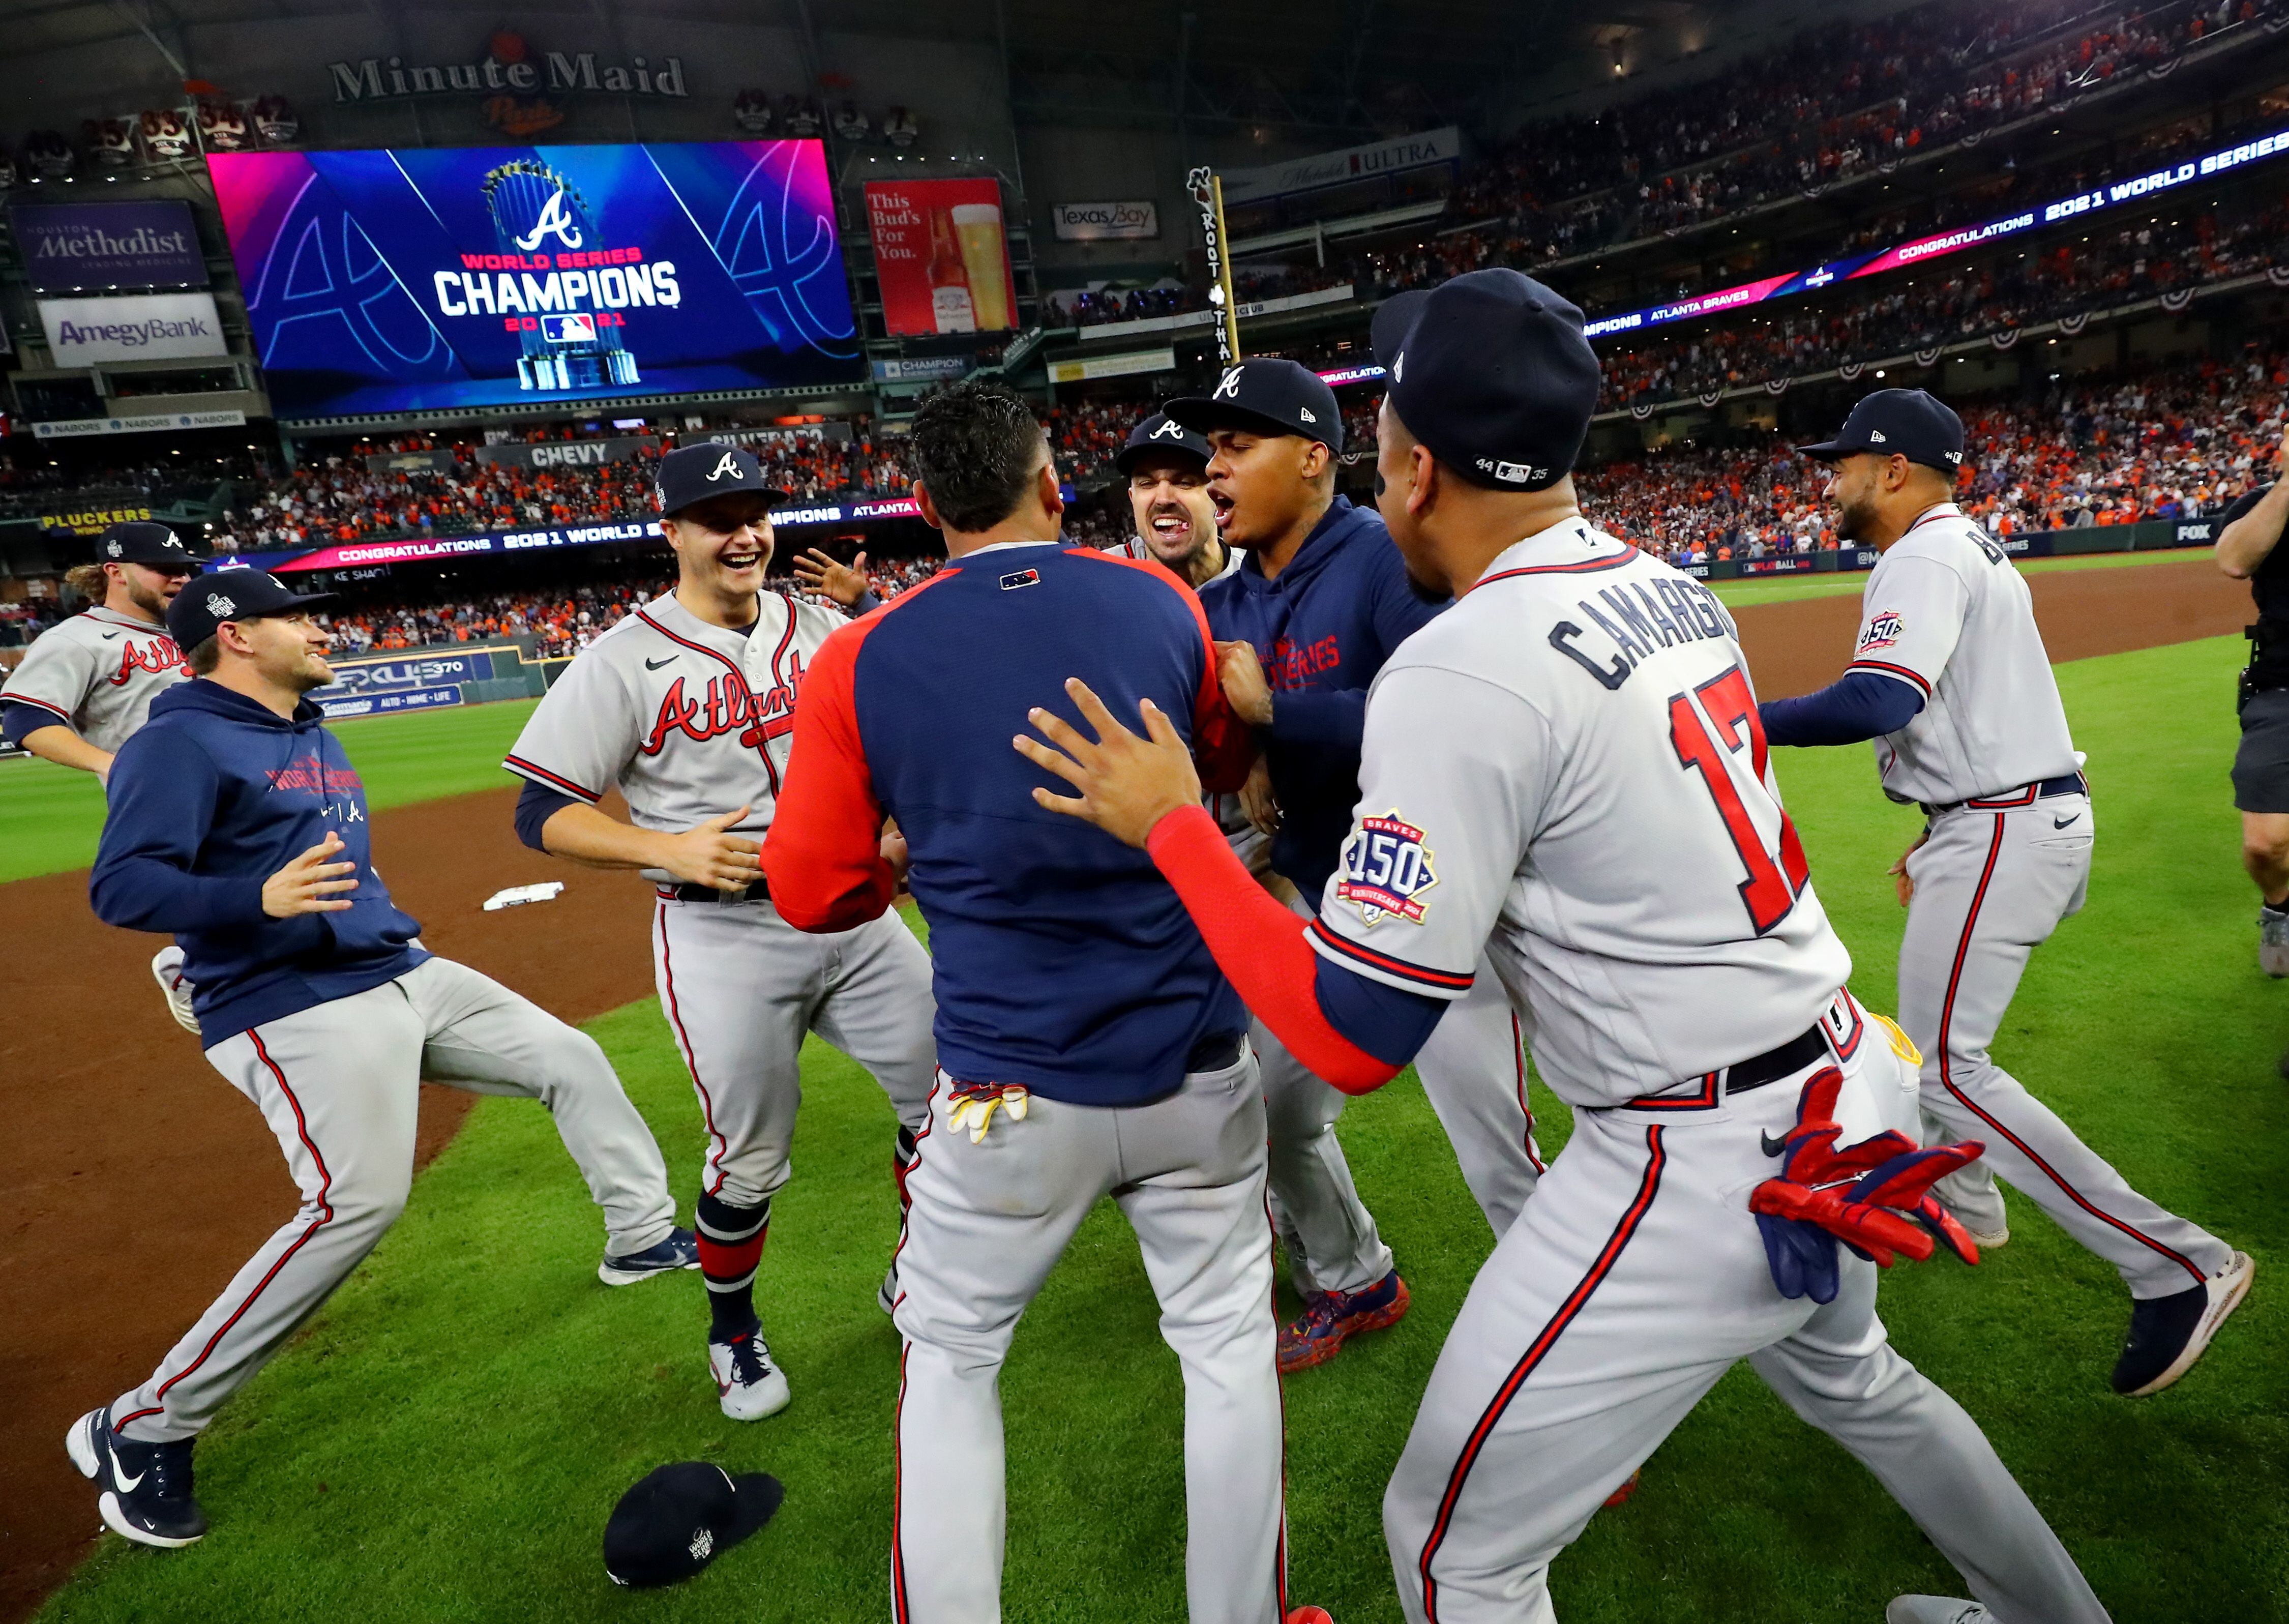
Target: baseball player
[(1950, 680), (1684, 992), (687, 706), (2248, 549), (1087, 1045), (1166, 465), (1320, 602), (86, 685), (237, 822)]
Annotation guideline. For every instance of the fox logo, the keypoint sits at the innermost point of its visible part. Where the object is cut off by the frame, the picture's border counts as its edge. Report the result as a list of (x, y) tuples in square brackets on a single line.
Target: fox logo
[(552, 222)]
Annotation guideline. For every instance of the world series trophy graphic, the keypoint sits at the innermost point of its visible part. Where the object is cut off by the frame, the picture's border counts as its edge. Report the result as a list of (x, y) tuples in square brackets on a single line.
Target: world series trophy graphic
[(534, 206)]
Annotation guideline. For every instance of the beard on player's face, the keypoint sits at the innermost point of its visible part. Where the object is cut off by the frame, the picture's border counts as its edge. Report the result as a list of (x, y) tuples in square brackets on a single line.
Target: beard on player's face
[(151, 590)]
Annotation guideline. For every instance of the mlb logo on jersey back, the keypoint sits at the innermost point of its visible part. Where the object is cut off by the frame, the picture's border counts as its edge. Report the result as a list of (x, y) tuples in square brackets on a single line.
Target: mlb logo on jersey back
[(1386, 869), (1020, 578), (1883, 630)]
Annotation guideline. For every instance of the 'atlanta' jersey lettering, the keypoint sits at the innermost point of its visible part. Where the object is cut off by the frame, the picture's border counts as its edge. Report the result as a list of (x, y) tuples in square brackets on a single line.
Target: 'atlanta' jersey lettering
[(97, 673)]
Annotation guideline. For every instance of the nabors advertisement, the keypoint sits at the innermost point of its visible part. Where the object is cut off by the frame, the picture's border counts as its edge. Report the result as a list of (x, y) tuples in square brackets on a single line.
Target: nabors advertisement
[(388, 281)]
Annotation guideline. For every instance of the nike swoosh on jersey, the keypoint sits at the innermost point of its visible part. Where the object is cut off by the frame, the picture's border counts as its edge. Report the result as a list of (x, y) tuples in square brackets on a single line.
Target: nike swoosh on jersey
[(109, 637), (654, 665), (2060, 823), (1775, 1147)]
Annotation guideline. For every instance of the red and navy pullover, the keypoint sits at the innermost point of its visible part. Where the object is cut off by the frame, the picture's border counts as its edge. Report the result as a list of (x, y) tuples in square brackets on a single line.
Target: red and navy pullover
[(1064, 960)]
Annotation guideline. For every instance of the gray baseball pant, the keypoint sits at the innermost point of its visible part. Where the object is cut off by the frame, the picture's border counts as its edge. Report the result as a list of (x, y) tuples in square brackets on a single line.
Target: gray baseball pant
[(990, 1218), (1635, 1279), (1472, 1068), (339, 1084), (1992, 883), (741, 987)]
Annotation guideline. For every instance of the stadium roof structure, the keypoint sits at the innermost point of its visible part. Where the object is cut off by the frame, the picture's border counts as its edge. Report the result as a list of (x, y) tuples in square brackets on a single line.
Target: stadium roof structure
[(1276, 67)]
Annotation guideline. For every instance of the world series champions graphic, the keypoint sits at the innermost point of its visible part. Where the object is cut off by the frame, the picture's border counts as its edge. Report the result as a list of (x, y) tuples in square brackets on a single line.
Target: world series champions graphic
[(390, 280)]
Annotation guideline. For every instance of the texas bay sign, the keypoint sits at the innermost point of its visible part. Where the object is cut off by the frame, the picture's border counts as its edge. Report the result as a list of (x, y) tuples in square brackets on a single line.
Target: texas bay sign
[(389, 79)]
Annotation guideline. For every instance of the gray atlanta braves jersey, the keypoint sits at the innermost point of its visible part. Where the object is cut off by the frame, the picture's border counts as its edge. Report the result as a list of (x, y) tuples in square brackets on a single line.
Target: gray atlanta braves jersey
[(99, 671), (1945, 612), (1566, 770), (690, 720)]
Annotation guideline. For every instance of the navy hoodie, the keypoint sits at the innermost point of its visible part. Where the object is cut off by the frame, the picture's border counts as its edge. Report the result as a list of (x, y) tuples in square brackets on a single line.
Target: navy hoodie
[(1322, 630), (214, 795)]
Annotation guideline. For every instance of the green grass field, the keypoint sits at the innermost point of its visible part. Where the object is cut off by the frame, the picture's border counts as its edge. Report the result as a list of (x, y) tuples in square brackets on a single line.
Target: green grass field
[(447, 1438), (52, 815)]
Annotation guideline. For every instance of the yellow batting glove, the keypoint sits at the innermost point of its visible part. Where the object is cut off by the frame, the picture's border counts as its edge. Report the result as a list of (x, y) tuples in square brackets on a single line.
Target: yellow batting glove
[(972, 1105)]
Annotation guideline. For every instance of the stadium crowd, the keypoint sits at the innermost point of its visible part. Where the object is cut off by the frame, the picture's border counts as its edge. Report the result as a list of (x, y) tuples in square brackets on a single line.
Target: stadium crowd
[(2176, 443)]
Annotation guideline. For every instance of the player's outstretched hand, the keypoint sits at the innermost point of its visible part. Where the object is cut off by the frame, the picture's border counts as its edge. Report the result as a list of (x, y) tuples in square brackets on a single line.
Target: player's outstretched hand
[(1245, 689), (1902, 881), (309, 885), (1127, 784), (846, 584), (711, 855)]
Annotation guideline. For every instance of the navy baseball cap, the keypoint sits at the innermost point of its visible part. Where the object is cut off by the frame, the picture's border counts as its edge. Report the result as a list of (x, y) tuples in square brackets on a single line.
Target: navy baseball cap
[(693, 473), (145, 541), (681, 1517), (1490, 371), (232, 595), (1158, 434), (1899, 422), (1267, 395)]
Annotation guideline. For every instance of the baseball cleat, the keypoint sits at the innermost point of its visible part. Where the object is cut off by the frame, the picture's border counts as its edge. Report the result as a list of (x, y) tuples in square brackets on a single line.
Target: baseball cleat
[(2168, 1334), (1330, 1318), (1988, 1240), (2272, 942), (750, 1386), (1933, 1610), (679, 1250), (167, 970), (143, 1491), (1621, 1496)]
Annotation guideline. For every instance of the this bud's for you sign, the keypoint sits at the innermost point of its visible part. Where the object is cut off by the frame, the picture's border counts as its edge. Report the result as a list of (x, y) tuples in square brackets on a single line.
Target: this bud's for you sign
[(940, 256)]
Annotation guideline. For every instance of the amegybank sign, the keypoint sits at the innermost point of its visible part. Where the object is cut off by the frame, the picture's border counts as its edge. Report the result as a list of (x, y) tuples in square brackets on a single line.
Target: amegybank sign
[(139, 327), (1365, 163)]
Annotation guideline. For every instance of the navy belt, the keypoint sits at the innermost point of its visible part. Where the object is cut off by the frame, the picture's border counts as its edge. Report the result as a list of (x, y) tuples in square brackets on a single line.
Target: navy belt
[(756, 892), (2026, 794), (1215, 1052), (1774, 1064)]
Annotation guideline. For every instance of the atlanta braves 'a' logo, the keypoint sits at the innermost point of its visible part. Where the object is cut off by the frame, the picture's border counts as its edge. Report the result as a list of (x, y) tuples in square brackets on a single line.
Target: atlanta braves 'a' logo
[(552, 221), (730, 706), (158, 654)]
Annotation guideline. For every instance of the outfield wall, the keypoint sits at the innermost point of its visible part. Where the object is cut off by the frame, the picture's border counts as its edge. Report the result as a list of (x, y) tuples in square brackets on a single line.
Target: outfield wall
[(2150, 535), (388, 682)]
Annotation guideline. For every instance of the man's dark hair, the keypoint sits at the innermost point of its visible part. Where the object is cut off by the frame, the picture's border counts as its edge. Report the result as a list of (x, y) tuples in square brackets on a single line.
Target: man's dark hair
[(974, 448), (204, 657)]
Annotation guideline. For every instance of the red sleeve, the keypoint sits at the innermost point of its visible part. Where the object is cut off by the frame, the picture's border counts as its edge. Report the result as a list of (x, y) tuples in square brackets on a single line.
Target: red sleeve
[(1260, 945), (823, 858), (1223, 747)]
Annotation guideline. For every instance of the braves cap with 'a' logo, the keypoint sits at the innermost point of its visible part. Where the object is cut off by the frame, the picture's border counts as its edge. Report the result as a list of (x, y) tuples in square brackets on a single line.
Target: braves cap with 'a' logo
[(1161, 435), (1899, 423), (1490, 371), (232, 595), (1267, 395), (680, 1519), (696, 472), (145, 541)]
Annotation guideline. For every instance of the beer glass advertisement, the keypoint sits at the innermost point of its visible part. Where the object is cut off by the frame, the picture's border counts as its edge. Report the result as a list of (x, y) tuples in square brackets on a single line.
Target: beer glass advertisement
[(396, 280), (940, 256)]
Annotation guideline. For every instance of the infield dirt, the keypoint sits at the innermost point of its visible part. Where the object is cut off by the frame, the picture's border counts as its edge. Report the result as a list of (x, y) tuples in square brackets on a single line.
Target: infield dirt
[(139, 1182)]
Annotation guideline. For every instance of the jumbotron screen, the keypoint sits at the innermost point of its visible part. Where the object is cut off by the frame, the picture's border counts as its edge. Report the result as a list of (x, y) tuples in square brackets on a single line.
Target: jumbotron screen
[(406, 280)]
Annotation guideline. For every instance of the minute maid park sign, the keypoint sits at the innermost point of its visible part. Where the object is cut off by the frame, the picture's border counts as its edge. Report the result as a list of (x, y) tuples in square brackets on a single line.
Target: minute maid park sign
[(508, 68)]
